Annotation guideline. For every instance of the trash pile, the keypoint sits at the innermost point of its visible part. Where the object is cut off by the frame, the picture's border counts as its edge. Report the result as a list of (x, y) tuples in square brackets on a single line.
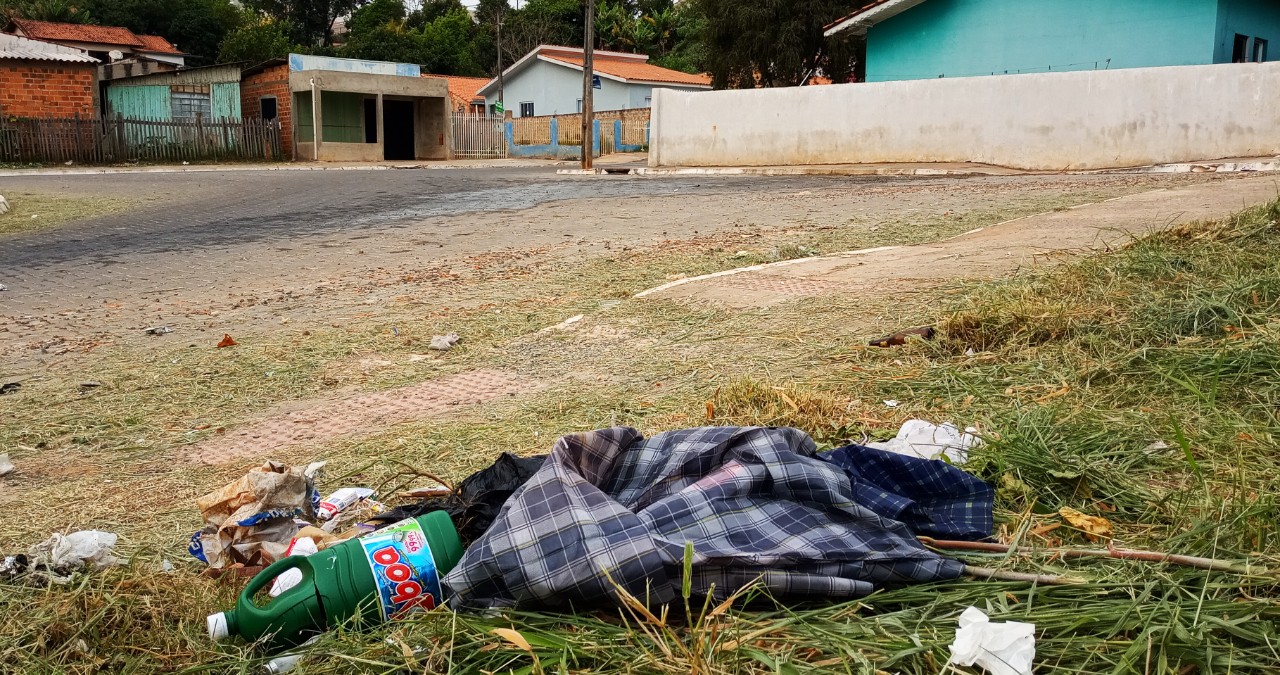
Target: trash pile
[(606, 515), (58, 558)]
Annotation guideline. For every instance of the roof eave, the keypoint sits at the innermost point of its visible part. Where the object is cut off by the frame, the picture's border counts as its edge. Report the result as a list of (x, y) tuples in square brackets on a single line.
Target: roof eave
[(669, 83), (859, 22)]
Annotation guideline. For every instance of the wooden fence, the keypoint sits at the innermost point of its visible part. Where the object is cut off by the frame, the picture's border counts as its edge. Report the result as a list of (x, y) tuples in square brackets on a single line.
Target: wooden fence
[(120, 139)]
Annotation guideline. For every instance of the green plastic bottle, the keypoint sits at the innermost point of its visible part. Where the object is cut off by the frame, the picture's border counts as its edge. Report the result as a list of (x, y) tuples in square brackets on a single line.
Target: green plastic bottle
[(379, 577)]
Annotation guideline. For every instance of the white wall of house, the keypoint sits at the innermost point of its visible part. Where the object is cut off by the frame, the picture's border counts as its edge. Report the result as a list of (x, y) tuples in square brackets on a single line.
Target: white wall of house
[(1049, 121), (557, 90)]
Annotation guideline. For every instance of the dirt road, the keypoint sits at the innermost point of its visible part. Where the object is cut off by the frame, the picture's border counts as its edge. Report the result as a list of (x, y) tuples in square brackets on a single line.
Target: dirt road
[(239, 251)]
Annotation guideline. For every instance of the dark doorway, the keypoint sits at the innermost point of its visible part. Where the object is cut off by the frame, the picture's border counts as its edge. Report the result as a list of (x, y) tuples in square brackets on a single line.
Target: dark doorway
[(1240, 49), (397, 130), (371, 120)]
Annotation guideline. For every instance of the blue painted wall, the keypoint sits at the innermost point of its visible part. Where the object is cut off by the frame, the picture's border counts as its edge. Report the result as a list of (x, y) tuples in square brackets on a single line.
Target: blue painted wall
[(149, 102), (1254, 18), (301, 62), (154, 102), (962, 38)]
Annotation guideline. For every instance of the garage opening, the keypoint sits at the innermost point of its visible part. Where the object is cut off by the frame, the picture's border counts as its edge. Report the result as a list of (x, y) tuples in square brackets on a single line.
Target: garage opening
[(397, 134)]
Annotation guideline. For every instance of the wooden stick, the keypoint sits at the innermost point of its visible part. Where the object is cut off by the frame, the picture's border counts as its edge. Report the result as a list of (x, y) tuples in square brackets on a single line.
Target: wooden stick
[(1110, 552), (1005, 575)]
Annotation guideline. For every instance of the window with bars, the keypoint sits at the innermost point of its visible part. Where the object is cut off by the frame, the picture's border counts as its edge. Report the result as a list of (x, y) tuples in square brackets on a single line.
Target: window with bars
[(186, 102)]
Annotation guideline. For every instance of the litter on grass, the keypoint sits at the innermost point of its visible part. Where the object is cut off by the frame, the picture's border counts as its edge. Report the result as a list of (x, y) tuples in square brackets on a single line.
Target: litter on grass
[(901, 338), (1001, 647), (6, 466), (58, 558), (251, 521), (918, 438), (443, 343)]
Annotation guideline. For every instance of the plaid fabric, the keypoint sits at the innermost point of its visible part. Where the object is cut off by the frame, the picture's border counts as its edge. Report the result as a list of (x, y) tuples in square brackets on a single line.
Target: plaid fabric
[(609, 507), (930, 496)]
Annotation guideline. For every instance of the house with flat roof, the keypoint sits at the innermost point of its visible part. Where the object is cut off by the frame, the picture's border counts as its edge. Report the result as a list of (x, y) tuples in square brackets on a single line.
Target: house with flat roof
[(921, 39), (350, 110), (548, 81)]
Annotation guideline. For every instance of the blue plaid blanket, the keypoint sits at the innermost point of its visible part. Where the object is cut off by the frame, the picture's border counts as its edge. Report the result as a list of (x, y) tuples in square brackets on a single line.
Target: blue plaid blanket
[(610, 509)]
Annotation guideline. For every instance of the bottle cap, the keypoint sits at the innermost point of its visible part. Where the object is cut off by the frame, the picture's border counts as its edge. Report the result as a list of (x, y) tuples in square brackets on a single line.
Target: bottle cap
[(217, 625)]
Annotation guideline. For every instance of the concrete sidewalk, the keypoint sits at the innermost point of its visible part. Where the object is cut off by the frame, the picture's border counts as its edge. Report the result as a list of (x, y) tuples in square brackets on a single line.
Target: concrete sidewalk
[(1233, 165), (289, 166), (898, 271)]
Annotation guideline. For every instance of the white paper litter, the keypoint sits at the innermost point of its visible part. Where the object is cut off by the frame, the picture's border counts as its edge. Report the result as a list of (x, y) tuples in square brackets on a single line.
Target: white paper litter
[(918, 438), (293, 577), (443, 343), (1001, 647), (6, 466), (79, 550)]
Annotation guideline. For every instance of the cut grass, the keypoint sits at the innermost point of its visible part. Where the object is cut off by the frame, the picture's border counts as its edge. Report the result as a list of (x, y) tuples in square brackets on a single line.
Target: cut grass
[(1141, 385), (37, 211)]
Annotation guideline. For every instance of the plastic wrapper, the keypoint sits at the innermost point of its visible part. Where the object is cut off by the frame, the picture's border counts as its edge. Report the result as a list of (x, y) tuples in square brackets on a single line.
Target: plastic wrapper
[(251, 521)]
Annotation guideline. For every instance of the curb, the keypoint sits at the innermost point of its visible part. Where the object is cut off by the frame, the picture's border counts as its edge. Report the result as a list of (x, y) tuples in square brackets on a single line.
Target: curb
[(103, 171)]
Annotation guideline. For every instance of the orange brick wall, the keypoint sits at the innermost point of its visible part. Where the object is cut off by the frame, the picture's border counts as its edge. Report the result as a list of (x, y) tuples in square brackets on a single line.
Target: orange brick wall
[(273, 81), (44, 89)]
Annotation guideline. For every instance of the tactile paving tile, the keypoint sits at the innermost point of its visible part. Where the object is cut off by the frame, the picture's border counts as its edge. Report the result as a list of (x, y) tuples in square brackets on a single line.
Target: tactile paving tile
[(782, 285), (361, 414)]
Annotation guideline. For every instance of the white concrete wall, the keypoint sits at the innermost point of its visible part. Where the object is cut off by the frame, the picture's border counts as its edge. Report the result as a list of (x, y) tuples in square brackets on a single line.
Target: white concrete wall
[(1049, 121)]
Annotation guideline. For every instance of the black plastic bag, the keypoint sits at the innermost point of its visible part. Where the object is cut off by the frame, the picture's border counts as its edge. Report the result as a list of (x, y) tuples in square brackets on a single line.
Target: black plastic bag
[(476, 501)]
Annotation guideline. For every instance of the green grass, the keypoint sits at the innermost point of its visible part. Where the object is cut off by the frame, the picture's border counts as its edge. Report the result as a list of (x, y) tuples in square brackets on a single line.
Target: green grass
[(1141, 385)]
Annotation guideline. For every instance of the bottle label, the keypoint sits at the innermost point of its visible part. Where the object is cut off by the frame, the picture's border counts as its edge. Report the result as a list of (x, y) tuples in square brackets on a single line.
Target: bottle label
[(403, 569)]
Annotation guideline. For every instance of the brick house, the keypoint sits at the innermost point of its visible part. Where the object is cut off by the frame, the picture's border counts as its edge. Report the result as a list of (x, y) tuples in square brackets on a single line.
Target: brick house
[(100, 41), (38, 79), (265, 95)]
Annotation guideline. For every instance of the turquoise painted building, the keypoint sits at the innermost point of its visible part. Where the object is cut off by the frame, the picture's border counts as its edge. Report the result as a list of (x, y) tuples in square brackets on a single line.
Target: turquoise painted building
[(211, 92), (922, 39)]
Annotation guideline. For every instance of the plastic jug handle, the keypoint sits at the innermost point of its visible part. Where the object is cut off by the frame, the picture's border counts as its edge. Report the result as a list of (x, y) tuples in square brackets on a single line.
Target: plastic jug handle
[(268, 575)]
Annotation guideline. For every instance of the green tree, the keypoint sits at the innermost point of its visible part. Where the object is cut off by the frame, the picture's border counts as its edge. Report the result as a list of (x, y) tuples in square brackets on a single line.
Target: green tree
[(449, 45), (311, 21), (686, 50), (391, 41), (432, 10), (542, 22), (376, 14), (63, 11), (197, 27), (766, 43), (257, 41)]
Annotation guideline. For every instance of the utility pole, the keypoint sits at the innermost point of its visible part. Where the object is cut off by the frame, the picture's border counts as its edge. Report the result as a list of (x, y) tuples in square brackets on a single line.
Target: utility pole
[(502, 103), (588, 86)]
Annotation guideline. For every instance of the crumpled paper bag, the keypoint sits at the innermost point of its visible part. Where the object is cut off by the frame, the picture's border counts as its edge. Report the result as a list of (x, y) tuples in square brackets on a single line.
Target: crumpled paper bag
[(1003, 648), (251, 521)]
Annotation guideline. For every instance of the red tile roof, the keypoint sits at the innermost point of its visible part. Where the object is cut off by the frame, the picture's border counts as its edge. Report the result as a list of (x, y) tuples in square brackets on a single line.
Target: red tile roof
[(74, 32), (157, 45), (632, 67), (464, 90)]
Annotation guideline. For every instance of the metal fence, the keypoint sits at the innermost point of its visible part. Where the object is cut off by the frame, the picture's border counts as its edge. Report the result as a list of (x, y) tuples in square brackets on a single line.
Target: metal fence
[(120, 139), (479, 137)]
